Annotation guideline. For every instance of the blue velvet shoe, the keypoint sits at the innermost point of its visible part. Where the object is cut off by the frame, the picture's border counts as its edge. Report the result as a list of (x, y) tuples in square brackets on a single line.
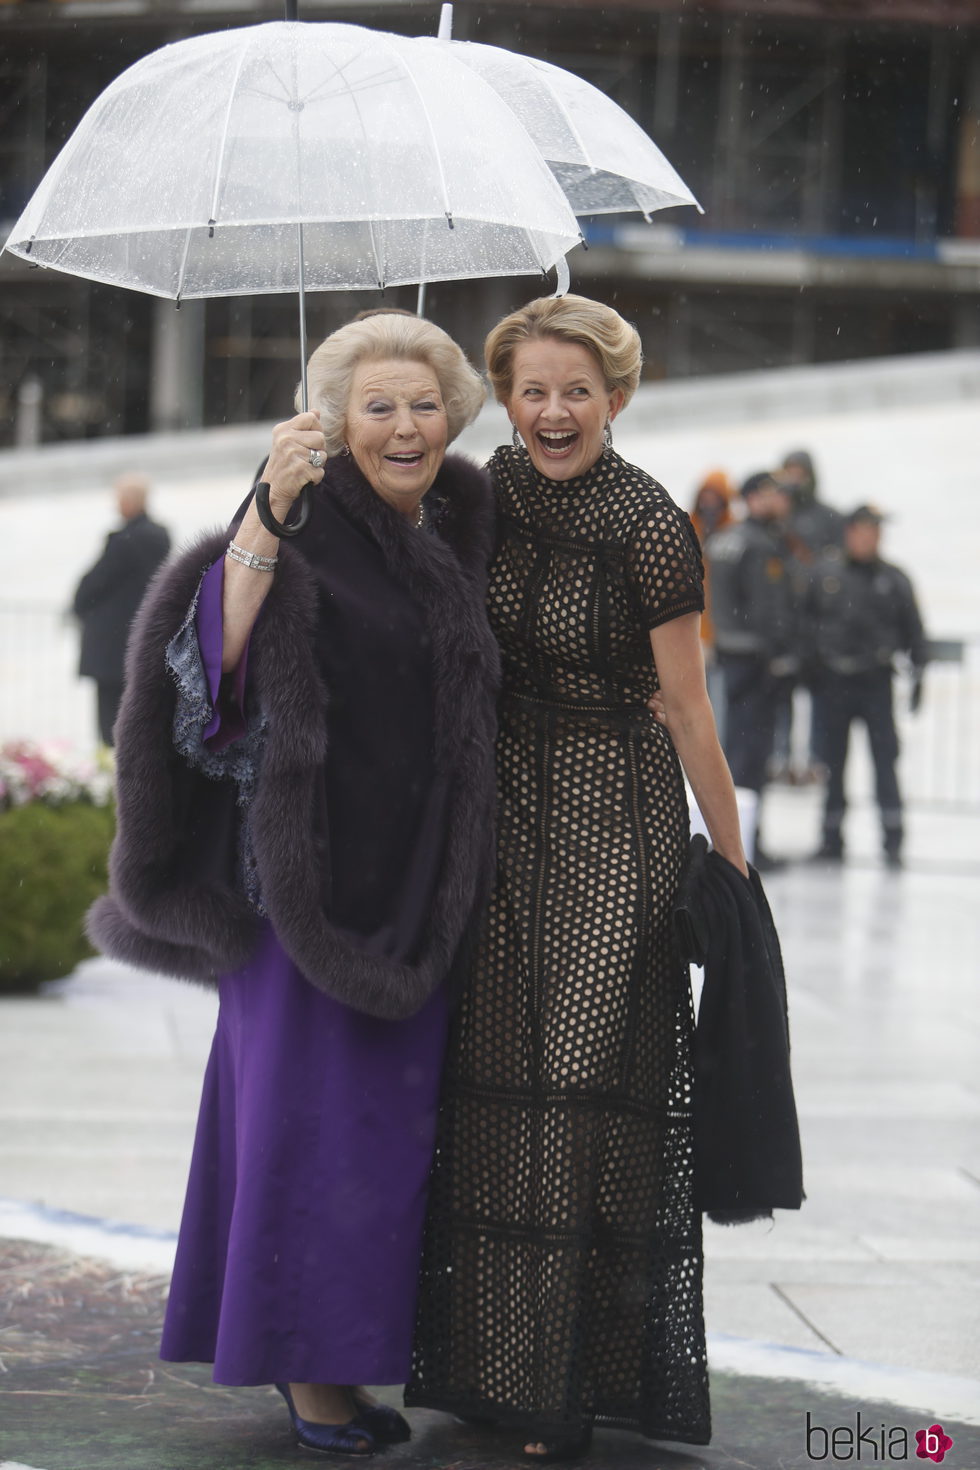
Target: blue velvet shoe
[(384, 1424), (340, 1440)]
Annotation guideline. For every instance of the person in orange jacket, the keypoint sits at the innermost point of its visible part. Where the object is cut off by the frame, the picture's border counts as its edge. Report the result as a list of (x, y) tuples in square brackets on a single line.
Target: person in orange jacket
[(711, 512)]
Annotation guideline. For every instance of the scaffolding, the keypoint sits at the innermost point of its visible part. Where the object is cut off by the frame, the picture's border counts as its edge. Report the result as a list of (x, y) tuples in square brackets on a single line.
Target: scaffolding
[(835, 145)]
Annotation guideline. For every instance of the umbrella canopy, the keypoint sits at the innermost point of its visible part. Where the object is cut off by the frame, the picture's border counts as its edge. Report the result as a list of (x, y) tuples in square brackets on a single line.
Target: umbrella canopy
[(603, 160), (189, 175)]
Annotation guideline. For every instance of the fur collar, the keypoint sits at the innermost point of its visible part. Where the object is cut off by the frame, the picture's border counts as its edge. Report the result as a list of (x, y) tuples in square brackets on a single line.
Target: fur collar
[(160, 912)]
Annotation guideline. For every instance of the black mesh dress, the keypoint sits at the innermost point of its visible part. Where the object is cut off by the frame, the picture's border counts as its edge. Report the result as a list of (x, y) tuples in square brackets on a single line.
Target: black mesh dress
[(561, 1284)]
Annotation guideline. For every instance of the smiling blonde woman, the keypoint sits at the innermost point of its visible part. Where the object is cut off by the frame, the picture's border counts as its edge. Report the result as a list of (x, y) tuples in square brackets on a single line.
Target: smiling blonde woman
[(562, 1275)]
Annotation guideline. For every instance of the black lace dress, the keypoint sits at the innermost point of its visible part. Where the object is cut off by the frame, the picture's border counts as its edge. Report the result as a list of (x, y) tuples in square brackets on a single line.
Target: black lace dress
[(561, 1284)]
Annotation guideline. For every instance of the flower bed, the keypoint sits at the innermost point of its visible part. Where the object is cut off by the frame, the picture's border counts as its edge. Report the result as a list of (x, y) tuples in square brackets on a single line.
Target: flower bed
[(56, 823)]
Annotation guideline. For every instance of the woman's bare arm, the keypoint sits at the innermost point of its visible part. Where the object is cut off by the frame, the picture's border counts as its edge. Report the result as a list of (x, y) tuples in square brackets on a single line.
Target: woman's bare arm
[(287, 471), (691, 722)]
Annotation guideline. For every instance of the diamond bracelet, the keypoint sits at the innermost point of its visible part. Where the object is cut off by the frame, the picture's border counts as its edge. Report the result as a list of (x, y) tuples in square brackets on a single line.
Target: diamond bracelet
[(251, 558)]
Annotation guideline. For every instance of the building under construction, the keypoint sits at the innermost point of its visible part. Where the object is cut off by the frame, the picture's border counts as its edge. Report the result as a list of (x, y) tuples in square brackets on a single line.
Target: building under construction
[(834, 146)]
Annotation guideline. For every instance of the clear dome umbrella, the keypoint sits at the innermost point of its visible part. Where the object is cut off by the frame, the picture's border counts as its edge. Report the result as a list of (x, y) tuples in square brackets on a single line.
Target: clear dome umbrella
[(296, 156), (189, 174), (603, 160)]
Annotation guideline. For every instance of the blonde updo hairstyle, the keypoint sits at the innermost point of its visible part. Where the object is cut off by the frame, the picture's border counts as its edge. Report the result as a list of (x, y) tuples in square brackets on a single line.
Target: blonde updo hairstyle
[(375, 338), (614, 344)]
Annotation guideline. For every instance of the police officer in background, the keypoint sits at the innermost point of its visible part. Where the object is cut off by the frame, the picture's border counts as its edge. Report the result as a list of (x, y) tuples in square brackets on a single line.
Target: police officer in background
[(862, 612), (811, 520), (756, 600), (816, 530)]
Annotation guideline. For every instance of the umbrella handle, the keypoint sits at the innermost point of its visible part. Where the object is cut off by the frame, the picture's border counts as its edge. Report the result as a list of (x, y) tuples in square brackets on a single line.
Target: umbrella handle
[(280, 528)]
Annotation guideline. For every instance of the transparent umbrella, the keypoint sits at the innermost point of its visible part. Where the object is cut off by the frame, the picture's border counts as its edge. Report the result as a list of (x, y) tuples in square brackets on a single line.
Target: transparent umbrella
[(603, 160), (291, 157), (189, 175)]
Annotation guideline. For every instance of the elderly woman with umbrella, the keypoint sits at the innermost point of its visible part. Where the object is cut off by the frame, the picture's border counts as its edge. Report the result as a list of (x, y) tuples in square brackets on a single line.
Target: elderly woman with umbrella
[(304, 790), (306, 755)]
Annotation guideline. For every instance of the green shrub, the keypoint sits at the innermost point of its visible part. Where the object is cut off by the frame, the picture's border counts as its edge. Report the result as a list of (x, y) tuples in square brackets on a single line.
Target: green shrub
[(52, 866)]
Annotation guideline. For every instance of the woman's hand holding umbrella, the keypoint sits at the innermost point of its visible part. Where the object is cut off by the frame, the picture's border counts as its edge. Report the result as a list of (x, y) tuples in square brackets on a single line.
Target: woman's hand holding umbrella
[(292, 461), (315, 457), (296, 459)]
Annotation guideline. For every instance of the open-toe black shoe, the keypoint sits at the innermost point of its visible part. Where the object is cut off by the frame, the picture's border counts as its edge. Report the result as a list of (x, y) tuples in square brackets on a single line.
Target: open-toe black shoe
[(383, 1423), (340, 1440), (559, 1447)]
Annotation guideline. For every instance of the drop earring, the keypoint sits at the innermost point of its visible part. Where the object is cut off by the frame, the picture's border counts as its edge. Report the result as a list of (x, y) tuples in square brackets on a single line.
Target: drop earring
[(516, 439), (607, 442)]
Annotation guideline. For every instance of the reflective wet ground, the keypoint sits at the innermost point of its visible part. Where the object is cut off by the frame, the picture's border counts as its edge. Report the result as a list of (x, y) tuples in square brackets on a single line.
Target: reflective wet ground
[(867, 1302)]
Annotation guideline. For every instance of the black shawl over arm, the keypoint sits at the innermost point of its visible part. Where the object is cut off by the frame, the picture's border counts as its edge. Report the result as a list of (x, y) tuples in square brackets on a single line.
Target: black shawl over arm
[(175, 903), (747, 1158)]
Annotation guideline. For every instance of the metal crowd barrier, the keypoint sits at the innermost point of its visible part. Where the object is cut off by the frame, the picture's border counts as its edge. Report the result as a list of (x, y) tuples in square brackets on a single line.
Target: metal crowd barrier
[(941, 743), (42, 698)]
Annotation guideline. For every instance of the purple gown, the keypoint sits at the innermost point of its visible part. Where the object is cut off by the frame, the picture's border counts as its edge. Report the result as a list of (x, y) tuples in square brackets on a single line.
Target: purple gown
[(299, 1247)]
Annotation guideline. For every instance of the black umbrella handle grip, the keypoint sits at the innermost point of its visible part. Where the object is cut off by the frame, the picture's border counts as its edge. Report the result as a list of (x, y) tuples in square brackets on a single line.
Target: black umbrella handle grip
[(280, 528)]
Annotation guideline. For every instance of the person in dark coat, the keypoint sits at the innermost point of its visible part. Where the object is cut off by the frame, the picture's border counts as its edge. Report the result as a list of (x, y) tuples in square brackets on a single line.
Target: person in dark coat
[(816, 530), (304, 819), (814, 523), (863, 614), (110, 592), (756, 603)]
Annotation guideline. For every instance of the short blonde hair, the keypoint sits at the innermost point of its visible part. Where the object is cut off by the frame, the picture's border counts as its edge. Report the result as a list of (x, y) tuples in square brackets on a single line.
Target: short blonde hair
[(614, 344), (397, 335)]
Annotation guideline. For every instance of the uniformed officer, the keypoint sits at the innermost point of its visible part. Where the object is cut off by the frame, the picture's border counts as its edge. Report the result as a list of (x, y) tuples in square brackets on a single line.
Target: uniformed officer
[(862, 613), (757, 589), (811, 520), (816, 530)]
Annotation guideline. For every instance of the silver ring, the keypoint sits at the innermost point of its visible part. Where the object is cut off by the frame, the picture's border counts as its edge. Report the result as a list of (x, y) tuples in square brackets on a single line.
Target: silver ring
[(317, 458)]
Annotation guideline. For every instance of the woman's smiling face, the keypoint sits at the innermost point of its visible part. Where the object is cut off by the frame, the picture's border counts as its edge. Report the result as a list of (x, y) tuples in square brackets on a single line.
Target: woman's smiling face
[(560, 404), (397, 428)]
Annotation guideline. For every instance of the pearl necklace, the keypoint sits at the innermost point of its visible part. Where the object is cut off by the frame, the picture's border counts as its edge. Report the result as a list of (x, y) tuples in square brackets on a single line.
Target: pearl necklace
[(420, 518)]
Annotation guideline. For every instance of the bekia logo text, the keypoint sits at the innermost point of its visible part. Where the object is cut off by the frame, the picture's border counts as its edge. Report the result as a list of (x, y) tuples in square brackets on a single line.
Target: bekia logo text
[(874, 1443)]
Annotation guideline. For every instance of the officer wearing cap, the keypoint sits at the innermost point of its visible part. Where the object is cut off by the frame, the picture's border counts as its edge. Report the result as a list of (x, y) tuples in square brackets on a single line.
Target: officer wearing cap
[(862, 614)]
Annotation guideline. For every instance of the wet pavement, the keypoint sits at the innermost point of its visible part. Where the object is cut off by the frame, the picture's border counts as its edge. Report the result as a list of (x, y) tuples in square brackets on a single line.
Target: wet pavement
[(83, 1390), (865, 1304)]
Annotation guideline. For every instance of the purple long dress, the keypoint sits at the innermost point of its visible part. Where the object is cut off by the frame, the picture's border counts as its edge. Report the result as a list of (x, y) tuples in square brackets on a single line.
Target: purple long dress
[(298, 1255)]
